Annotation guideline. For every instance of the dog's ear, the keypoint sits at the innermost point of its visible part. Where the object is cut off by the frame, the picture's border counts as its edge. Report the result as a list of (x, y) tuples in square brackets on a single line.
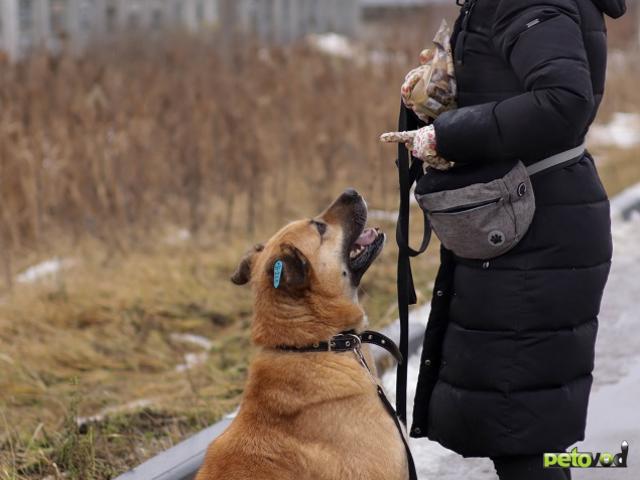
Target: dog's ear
[(292, 275), (242, 275)]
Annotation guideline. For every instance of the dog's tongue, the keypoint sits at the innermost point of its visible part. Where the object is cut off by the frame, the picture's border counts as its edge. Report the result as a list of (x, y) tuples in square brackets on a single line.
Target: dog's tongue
[(366, 237)]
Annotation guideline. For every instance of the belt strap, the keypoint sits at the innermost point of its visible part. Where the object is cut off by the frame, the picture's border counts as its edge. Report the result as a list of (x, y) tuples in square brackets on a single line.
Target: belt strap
[(557, 159)]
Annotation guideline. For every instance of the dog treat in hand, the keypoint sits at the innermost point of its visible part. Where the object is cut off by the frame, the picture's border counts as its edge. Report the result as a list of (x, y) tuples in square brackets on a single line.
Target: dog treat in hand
[(422, 145), (430, 88)]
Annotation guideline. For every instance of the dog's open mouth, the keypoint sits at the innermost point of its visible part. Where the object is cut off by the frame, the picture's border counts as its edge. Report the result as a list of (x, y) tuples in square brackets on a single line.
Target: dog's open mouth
[(364, 251)]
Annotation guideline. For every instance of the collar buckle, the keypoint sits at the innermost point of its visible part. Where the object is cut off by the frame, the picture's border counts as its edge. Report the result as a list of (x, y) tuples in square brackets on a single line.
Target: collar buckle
[(357, 342)]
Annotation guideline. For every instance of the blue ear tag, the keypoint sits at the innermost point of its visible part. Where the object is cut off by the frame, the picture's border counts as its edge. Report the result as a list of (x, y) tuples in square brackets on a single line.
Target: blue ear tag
[(277, 273)]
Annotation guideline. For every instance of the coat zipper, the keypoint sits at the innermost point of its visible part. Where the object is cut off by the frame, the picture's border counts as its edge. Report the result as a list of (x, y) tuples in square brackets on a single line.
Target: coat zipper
[(467, 8)]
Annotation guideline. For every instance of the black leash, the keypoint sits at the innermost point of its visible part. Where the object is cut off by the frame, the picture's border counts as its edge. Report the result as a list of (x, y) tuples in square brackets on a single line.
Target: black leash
[(413, 475), (408, 173)]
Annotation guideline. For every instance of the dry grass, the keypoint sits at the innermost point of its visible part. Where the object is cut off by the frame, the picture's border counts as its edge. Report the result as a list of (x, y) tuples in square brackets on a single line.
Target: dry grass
[(104, 159), (104, 337), (110, 147)]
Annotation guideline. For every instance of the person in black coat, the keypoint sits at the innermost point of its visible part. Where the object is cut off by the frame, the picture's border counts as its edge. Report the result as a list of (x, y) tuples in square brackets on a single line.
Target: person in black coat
[(509, 348)]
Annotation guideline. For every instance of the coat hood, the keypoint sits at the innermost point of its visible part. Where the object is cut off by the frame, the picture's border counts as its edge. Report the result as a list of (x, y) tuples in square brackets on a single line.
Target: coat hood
[(613, 8)]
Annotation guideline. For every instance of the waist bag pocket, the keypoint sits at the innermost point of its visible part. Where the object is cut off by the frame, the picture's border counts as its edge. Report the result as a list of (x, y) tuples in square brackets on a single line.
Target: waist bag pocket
[(482, 220)]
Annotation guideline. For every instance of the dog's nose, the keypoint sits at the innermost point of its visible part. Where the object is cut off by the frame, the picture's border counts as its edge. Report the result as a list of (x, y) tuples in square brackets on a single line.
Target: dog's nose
[(350, 195), (348, 204)]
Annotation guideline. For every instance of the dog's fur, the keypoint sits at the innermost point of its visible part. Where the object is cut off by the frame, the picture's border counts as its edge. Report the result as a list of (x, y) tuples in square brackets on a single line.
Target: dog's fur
[(308, 415)]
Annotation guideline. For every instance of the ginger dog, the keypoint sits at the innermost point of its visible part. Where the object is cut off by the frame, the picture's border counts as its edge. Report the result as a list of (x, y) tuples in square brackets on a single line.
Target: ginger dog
[(311, 416)]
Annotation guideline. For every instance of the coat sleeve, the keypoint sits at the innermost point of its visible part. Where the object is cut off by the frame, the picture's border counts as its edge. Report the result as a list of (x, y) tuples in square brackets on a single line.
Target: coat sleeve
[(542, 42)]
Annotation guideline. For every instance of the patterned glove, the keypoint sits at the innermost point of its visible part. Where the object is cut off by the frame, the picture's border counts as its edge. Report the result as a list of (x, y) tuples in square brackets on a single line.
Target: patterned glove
[(422, 145)]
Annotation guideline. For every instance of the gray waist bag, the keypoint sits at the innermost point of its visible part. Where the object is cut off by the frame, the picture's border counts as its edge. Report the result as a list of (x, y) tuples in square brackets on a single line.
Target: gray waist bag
[(485, 219)]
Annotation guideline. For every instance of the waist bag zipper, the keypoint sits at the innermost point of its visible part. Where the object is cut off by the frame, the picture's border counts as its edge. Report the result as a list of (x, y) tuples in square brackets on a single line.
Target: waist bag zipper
[(466, 208)]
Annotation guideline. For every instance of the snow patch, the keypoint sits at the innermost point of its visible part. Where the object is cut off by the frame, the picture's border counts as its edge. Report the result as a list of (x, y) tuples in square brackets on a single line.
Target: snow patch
[(142, 403), (339, 46), (179, 236), (613, 418), (383, 215), (232, 415), (617, 60), (44, 269), (622, 131), (392, 216), (192, 359), (333, 44), (199, 340), (626, 204)]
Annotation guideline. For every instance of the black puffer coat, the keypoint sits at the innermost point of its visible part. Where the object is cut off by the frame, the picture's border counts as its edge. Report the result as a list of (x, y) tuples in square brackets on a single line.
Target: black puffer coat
[(509, 350)]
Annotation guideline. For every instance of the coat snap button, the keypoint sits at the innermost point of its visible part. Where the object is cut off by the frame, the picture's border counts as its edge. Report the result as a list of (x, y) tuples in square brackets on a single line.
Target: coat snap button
[(427, 363), (522, 189), (485, 265), (439, 293), (417, 430)]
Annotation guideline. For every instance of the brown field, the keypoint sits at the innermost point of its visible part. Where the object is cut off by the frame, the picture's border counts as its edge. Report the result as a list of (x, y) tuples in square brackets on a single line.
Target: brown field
[(149, 169)]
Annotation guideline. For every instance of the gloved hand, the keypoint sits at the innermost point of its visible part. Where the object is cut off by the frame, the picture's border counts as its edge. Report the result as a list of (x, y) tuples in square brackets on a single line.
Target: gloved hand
[(430, 88), (422, 145)]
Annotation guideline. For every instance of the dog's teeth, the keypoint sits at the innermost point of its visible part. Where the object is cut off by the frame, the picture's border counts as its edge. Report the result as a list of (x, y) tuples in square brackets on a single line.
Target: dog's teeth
[(356, 251)]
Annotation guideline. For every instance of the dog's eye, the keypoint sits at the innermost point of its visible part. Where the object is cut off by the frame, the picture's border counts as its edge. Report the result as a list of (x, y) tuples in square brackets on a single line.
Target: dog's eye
[(321, 227)]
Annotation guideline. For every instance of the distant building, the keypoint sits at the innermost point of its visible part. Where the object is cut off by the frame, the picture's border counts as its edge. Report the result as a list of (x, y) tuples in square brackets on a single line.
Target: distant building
[(366, 4), (29, 24), (376, 10)]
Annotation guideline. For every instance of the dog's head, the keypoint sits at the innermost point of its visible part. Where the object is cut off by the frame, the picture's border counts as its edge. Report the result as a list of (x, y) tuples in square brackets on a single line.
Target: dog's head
[(305, 278)]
